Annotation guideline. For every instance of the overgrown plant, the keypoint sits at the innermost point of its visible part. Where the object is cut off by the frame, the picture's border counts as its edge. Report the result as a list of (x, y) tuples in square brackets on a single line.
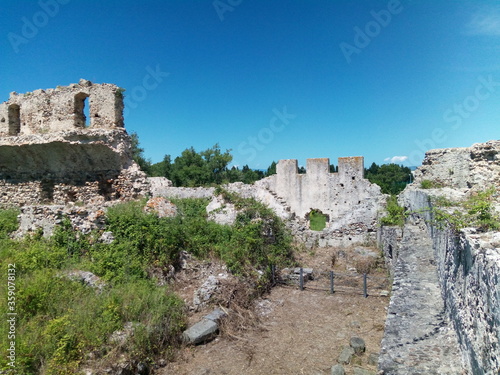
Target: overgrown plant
[(430, 184), (477, 211), (395, 213), (8, 222), (62, 320)]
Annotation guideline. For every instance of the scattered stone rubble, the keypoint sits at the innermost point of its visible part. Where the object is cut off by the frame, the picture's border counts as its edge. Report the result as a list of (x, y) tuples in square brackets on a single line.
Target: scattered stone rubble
[(357, 347)]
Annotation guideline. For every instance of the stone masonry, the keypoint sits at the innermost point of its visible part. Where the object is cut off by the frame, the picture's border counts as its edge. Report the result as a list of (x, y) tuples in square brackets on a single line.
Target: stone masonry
[(351, 203), (61, 109), (444, 315), (51, 154), (419, 337)]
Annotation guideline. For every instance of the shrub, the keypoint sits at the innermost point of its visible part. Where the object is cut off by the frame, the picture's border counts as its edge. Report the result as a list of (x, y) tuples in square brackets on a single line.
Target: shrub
[(8, 222), (476, 211), (61, 320), (395, 213), (429, 184)]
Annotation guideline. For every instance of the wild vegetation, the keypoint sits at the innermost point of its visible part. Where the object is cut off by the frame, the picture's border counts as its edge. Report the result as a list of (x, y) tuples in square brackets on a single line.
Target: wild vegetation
[(63, 322), (476, 211), (430, 184), (395, 213), (317, 220)]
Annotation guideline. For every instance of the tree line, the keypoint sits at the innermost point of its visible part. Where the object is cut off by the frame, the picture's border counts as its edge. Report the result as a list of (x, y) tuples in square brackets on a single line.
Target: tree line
[(211, 167)]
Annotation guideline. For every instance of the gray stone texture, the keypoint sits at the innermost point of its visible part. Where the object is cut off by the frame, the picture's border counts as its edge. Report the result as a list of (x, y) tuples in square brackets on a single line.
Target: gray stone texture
[(346, 355), (443, 277), (337, 370), (418, 337), (362, 371), (358, 345), (201, 332), (462, 168)]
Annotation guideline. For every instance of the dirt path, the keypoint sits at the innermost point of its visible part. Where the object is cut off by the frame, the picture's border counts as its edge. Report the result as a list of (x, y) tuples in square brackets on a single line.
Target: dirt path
[(298, 332), (301, 332)]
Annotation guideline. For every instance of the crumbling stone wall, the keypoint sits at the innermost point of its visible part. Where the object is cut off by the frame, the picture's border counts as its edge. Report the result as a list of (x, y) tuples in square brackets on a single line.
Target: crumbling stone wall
[(466, 264), (351, 202), (477, 166), (49, 156), (53, 110), (346, 197)]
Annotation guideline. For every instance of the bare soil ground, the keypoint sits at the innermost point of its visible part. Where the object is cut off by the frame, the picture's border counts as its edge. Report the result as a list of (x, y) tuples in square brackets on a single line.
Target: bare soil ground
[(293, 331)]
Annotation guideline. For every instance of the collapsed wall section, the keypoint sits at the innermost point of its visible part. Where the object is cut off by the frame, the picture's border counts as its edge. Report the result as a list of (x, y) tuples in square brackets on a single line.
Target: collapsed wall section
[(51, 154), (346, 198), (477, 166), (63, 108)]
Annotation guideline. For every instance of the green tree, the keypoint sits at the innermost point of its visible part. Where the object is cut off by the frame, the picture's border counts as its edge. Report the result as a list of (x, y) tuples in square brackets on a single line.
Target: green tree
[(391, 178), (138, 153), (203, 168), (163, 168), (271, 169)]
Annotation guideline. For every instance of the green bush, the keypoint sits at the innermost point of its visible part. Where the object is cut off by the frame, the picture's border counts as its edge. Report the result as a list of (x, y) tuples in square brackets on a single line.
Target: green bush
[(429, 184), (8, 222), (61, 319), (476, 211), (395, 213)]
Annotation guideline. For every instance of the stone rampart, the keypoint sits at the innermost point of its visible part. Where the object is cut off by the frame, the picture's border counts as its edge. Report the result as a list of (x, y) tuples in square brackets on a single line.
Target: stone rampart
[(458, 271), (345, 197), (468, 265)]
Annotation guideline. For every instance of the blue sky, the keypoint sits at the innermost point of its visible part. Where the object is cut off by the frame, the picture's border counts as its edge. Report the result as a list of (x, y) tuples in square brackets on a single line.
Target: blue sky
[(272, 80)]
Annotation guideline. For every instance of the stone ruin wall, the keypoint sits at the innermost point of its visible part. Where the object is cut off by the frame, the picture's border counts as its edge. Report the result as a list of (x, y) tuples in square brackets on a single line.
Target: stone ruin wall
[(62, 109), (475, 167), (347, 198), (51, 154), (466, 261), (351, 203)]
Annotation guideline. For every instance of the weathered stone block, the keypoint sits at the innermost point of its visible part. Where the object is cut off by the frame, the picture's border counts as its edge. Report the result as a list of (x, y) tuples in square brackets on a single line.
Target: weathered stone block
[(201, 332), (337, 370), (362, 371), (346, 355), (358, 345)]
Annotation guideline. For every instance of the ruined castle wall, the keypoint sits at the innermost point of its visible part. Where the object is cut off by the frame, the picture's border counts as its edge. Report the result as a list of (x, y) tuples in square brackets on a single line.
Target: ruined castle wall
[(468, 265), (96, 188), (60, 109), (477, 166), (346, 197), (50, 153)]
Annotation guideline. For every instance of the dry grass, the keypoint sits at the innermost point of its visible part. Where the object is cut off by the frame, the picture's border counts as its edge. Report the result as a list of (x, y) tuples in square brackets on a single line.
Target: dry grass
[(302, 332)]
